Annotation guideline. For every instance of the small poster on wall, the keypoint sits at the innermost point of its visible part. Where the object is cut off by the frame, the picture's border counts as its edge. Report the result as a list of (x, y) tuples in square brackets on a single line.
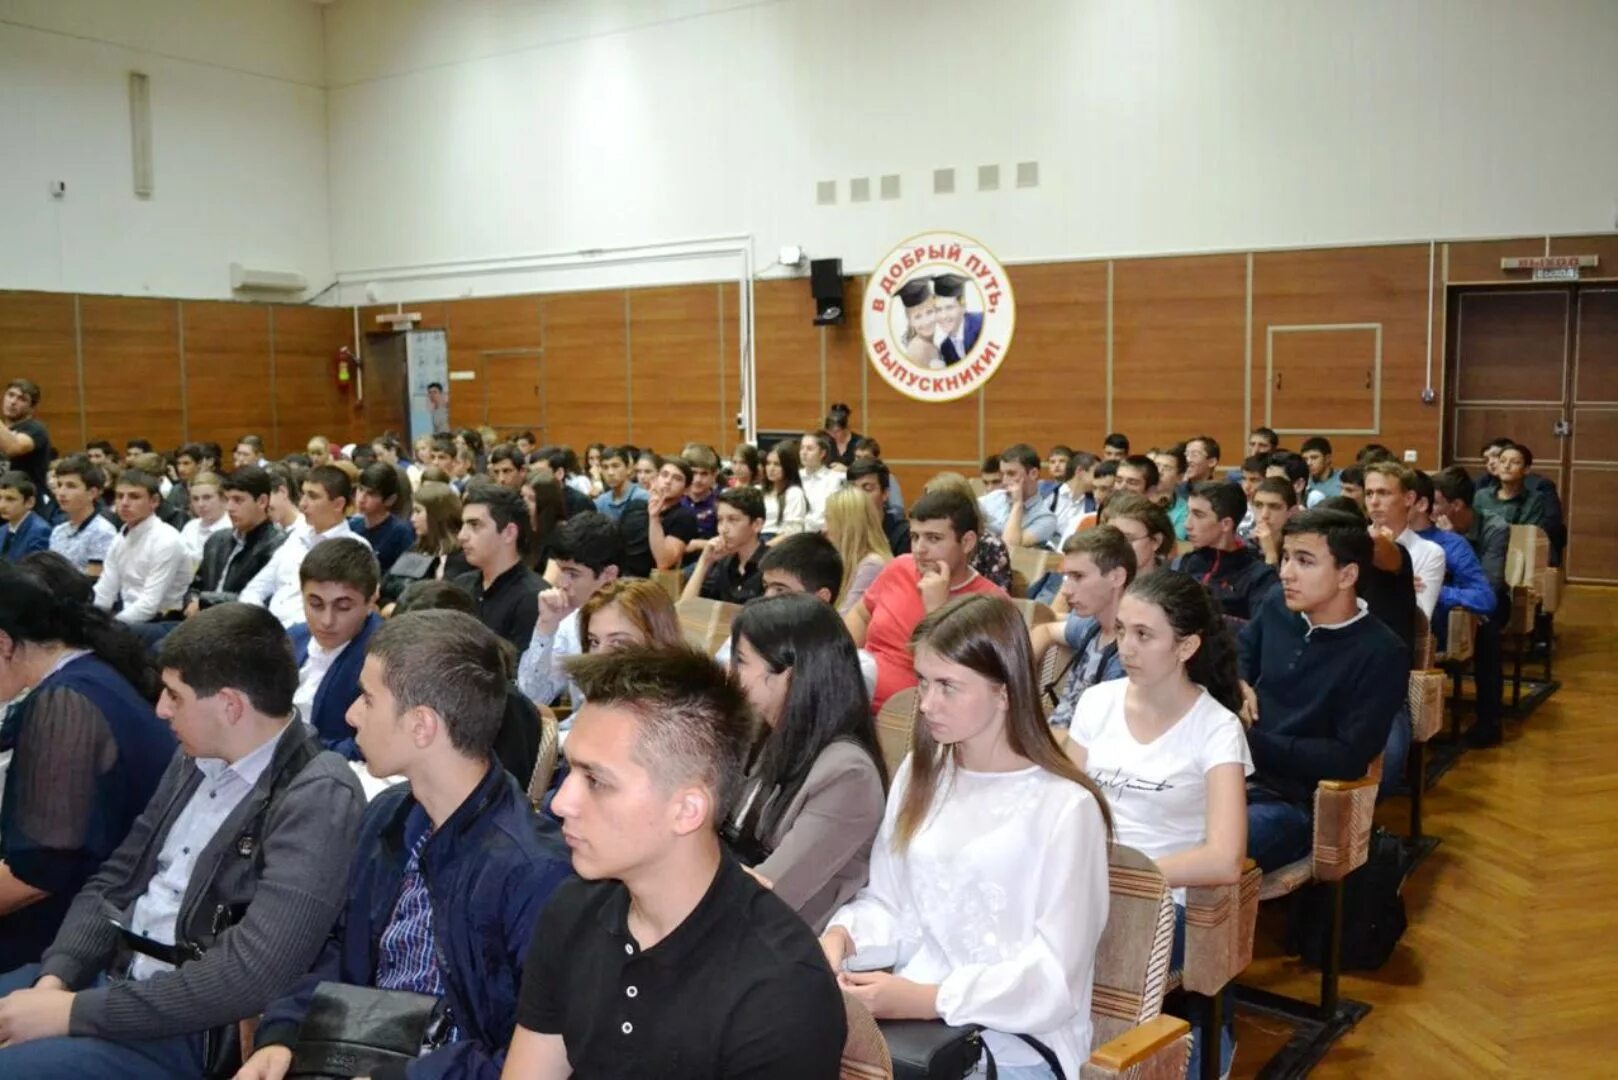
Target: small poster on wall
[(938, 316)]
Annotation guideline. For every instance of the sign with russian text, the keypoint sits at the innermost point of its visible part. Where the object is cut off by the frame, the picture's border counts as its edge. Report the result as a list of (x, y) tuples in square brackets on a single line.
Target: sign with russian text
[(1551, 262), (938, 316)]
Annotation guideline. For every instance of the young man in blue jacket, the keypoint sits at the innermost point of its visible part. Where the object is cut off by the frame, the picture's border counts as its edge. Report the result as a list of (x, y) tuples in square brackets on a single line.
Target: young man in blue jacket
[(1323, 680), (339, 582), (452, 867), (22, 532)]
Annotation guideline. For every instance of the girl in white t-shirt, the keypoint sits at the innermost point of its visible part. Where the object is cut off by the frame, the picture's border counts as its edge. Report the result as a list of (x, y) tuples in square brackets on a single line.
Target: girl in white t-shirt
[(1165, 745), (988, 878)]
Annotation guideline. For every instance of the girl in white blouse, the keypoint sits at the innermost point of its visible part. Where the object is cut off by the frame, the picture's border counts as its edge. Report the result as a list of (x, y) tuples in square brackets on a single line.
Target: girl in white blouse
[(1165, 745), (785, 505), (989, 873)]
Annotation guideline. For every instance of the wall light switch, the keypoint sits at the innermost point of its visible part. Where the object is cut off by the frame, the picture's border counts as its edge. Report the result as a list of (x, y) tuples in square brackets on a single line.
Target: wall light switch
[(1410, 457)]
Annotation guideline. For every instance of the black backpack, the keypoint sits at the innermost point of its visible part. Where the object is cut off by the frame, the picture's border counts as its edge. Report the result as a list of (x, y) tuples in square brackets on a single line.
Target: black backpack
[(1373, 910)]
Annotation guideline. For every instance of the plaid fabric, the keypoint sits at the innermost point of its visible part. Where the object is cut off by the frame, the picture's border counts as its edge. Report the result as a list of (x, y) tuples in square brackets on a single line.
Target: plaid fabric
[(408, 958)]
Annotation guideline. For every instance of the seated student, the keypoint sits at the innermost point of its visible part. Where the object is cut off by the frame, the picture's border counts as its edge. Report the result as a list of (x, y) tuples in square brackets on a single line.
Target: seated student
[(378, 498), (442, 453), (943, 533), (727, 569), (286, 492), (671, 526), (134, 448), (1165, 747), (230, 558), (1489, 538), (147, 570), (854, 527), (646, 470), (451, 870), (1115, 447), (252, 825), (1057, 462), (588, 556), (1138, 474), (1262, 441), (99, 452), (1250, 475), (1389, 496), (1014, 511), (339, 616), (785, 505), (1272, 505), (844, 442), (1316, 451), (868, 449), (547, 509), (463, 467), (1075, 496), (872, 478), (1201, 460), (699, 497), (1465, 585), (818, 479), (989, 473), (87, 749), (22, 532), (1351, 483), (187, 465), (1387, 584), (1519, 497), (1323, 682), (1097, 566), (1234, 573), (208, 517), (746, 467), (990, 557), (507, 467), (1284, 465), (618, 488), (435, 521), (812, 798), (493, 536), (1145, 525), (1171, 466), (324, 513), (83, 537), (1023, 964), (726, 977), (1103, 482)]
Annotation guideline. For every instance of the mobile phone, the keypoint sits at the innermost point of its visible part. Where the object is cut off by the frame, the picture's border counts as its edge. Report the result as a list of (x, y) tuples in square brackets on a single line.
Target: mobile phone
[(876, 958)]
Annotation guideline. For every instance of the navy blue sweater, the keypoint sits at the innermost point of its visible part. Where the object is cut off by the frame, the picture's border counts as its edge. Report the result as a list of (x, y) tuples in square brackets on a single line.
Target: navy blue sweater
[(1326, 697)]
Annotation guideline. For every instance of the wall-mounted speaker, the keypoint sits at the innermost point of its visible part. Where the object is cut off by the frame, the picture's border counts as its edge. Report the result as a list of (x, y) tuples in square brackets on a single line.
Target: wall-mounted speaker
[(826, 282)]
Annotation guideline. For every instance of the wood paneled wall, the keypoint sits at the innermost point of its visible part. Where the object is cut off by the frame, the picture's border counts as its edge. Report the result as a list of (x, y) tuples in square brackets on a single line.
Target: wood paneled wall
[(173, 371)]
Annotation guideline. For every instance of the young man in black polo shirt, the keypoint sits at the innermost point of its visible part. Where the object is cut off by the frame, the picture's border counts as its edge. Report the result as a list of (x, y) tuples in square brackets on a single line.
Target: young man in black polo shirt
[(1238, 576), (873, 478), (1323, 681), (670, 525), (728, 568), (494, 534), (667, 959), (25, 441)]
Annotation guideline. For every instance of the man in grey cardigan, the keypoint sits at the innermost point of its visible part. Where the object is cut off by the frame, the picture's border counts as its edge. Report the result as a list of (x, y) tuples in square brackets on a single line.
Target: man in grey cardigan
[(223, 891)]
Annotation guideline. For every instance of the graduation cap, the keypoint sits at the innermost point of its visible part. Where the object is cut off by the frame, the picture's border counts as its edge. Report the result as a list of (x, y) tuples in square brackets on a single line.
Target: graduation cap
[(915, 293), (950, 285)]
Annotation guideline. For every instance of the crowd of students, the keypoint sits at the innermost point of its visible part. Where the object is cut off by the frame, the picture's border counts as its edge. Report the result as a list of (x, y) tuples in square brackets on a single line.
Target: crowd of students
[(211, 665)]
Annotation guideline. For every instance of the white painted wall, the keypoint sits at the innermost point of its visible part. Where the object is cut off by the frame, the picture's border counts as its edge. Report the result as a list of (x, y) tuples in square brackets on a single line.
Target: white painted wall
[(239, 134), (473, 129)]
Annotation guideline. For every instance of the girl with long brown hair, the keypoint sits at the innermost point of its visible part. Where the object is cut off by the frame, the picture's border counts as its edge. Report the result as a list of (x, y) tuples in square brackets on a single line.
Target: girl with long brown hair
[(989, 874)]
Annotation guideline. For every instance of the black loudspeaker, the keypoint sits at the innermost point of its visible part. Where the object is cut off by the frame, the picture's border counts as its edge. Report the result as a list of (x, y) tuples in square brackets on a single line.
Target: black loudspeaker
[(826, 282)]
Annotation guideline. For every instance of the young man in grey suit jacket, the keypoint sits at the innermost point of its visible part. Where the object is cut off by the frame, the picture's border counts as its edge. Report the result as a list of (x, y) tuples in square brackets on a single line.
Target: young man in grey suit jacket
[(221, 894)]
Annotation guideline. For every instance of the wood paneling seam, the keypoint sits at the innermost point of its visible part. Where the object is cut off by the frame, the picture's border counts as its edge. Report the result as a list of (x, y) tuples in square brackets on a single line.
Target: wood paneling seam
[(78, 360), (629, 376), (1247, 355), (1109, 345), (185, 387), (275, 403)]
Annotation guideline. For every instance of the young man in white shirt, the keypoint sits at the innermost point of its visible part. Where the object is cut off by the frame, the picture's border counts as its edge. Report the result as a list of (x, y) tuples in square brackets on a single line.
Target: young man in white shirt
[(208, 510), (1388, 499), (337, 584), (818, 478), (1016, 512), (147, 569), (587, 551), (325, 502)]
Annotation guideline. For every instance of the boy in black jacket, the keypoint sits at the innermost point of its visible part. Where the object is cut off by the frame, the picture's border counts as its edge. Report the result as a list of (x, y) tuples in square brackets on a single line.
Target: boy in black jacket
[(1323, 682)]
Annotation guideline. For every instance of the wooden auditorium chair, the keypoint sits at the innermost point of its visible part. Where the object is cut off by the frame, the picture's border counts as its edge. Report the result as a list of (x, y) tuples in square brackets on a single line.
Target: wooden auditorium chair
[(1219, 924), (706, 623), (1532, 580), (545, 764), (1426, 705), (1034, 613), (1051, 668), (865, 1051), (1029, 565), (671, 581), (894, 723)]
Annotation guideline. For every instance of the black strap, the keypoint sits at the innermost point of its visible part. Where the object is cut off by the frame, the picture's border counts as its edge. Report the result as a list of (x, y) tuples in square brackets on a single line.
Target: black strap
[(1044, 1051)]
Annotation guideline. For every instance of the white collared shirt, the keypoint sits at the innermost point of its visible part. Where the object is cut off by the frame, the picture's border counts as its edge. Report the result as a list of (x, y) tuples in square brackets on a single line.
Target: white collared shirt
[(195, 537), (817, 488), (276, 586), (542, 672), (1427, 563), (312, 674), (146, 569), (1361, 609), (223, 788)]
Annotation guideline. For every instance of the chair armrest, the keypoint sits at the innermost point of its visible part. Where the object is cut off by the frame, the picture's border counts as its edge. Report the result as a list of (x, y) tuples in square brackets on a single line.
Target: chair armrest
[(1156, 1050), (1426, 704), (1219, 922), (1343, 813)]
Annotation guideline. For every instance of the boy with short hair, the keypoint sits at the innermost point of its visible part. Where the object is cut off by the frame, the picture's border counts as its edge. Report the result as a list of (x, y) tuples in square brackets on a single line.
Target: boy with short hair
[(670, 526), (231, 559), (1316, 451), (587, 552), (207, 515), (1273, 504), (85, 537), (1015, 511), (378, 522), (1236, 575), (1115, 447), (493, 536), (147, 569), (728, 568), (873, 478), (699, 495), (337, 583), (618, 487), (324, 506), (1097, 566), (22, 532)]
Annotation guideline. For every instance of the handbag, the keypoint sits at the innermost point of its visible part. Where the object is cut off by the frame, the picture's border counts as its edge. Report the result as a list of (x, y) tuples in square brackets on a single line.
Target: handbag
[(355, 1030), (933, 1050)]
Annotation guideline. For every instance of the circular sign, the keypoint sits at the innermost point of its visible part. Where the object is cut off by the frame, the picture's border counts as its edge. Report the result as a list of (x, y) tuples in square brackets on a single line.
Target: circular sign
[(937, 316)]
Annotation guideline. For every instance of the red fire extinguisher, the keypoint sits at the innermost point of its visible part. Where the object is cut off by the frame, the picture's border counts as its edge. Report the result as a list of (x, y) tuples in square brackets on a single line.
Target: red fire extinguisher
[(347, 367)]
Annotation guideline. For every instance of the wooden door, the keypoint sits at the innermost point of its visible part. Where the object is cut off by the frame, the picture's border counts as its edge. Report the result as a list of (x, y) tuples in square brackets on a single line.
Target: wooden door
[(1592, 491), (513, 399)]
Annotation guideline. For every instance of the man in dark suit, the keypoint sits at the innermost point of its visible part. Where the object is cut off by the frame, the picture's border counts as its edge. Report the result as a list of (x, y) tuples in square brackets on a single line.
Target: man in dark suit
[(231, 559), (958, 329)]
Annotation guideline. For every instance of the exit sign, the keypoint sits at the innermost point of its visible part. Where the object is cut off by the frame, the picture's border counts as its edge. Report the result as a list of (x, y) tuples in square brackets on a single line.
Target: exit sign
[(1551, 262)]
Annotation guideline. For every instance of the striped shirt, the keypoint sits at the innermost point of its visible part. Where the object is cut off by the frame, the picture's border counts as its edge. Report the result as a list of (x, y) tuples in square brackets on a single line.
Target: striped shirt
[(409, 954)]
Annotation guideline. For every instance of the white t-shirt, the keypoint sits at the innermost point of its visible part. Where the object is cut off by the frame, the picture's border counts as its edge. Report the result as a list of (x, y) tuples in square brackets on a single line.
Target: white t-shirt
[(1158, 791), (311, 675)]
